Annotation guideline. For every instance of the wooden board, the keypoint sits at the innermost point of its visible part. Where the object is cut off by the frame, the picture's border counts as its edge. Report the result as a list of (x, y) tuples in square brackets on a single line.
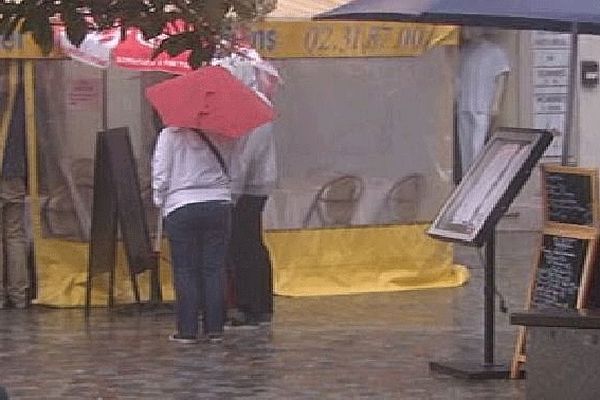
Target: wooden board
[(593, 297), (130, 208), (570, 196), (103, 237)]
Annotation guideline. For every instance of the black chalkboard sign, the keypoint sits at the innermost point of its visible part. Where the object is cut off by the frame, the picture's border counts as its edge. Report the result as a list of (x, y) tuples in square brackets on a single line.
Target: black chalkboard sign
[(103, 235), (563, 275), (570, 195), (117, 198), (562, 271), (117, 201)]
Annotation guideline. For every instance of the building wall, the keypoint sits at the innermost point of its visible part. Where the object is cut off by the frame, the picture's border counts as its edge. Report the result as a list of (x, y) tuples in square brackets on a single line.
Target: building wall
[(584, 143), (588, 117)]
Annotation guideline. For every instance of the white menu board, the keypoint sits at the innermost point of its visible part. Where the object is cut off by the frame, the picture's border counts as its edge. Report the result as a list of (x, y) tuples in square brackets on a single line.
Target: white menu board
[(490, 185)]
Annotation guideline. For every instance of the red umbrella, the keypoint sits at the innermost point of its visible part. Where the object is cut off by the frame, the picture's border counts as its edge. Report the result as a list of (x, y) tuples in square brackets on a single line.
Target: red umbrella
[(211, 99)]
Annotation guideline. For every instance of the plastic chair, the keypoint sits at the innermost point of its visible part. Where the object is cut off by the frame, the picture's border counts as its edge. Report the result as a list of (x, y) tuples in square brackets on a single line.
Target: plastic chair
[(404, 197), (335, 203)]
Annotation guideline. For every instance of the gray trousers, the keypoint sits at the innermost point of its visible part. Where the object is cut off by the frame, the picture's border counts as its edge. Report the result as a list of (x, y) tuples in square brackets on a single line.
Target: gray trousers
[(14, 276), (472, 130)]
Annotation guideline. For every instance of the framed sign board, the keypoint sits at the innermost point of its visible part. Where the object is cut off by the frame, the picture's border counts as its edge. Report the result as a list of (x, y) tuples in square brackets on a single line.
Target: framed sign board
[(564, 276), (490, 185), (570, 196)]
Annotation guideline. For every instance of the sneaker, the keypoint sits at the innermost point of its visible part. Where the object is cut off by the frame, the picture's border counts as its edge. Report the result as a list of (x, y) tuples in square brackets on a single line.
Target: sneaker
[(177, 338)]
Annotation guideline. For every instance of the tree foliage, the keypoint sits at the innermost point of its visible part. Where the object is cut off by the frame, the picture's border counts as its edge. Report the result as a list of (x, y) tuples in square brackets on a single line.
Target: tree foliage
[(208, 22)]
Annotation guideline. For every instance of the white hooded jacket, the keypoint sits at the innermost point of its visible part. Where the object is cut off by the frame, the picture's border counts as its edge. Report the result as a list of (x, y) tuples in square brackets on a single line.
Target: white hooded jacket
[(254, 164), (185, 170)]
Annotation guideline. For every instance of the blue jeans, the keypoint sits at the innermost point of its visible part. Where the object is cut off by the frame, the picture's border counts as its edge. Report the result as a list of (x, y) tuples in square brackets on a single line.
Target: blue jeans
[(199, 235)]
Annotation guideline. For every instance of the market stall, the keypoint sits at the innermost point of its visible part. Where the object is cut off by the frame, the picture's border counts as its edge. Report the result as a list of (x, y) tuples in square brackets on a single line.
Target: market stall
[(399, 147)]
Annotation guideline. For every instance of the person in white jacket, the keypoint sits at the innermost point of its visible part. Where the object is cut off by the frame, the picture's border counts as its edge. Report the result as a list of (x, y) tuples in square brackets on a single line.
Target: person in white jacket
[(191, 185), (253, 175)]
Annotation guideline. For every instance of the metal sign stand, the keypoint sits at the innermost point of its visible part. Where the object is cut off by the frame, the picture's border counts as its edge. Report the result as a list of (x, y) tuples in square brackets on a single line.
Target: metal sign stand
[(486, 236), (488, 369)]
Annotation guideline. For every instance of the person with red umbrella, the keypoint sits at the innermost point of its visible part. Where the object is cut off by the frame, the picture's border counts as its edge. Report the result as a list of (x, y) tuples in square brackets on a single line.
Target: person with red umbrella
[(191, 186), (204, 111)]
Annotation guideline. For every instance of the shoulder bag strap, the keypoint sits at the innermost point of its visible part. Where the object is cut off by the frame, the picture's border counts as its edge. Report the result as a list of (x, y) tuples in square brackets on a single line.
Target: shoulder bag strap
[(214, 150)]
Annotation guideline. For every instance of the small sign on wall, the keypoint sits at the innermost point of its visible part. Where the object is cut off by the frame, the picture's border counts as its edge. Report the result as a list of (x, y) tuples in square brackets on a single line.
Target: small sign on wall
[(550, 53), (84, 94)]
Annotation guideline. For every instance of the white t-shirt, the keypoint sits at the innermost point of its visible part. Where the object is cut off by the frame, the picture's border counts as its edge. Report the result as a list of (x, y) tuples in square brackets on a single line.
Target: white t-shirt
[(481, 63)]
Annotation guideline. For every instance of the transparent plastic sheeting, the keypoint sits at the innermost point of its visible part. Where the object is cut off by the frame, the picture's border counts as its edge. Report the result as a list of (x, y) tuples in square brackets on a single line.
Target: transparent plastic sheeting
[(69, 108), (364, 142)]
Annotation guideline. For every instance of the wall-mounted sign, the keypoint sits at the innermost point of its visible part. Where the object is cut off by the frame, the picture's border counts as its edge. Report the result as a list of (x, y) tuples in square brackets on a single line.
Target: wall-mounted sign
[(295, 39), (551, 77), (84, 94), (550, 52)]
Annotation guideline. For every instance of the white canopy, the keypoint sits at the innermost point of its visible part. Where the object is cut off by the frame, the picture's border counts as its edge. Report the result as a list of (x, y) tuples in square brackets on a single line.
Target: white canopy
[(303, 9)]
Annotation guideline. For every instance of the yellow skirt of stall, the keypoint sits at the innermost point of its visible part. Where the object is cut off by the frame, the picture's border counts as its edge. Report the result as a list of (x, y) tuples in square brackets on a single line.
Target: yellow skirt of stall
[(316, 262), (361, 260)]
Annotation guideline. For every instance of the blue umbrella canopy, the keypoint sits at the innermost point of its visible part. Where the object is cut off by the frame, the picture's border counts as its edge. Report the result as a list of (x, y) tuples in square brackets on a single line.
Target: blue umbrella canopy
[(553, 15)]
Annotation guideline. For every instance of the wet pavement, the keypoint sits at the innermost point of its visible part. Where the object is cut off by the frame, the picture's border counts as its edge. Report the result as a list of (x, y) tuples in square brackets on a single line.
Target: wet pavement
[(374, 346)]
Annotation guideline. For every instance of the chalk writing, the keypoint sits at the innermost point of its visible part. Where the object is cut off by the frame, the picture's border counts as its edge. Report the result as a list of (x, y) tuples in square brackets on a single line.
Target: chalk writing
[(569, 198), (559, 272)]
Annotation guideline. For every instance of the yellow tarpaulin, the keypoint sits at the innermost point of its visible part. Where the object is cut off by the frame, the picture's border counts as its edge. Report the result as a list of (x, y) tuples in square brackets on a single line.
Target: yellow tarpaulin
[(359, 260), (62, 276), (305, 263)]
